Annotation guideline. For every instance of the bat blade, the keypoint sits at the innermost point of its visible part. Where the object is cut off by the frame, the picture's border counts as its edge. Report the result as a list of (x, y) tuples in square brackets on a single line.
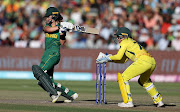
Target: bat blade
[(86, 29)]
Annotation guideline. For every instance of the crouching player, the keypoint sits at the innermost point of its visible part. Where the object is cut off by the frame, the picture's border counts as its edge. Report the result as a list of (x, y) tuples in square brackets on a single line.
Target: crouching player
[(143, 65), (54, 38)]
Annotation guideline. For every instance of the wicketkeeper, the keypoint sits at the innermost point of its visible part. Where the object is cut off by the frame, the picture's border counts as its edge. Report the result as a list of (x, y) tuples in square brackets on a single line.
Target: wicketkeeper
[(55, 33), (143, 65)]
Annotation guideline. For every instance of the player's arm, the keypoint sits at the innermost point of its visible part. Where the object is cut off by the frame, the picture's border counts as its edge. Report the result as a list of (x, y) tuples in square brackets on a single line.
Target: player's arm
[(63, 29), (120, 53), (62, 42), (123, 60), (49, 29), (63, 38), (115, 58)]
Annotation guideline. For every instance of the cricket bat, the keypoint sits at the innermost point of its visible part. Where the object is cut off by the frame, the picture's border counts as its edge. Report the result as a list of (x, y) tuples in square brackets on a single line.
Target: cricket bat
[(84, 29)]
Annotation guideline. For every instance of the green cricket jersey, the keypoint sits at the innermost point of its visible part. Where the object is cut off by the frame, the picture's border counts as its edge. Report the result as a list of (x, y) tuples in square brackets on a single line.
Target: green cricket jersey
[(51, 55), (52, 40)]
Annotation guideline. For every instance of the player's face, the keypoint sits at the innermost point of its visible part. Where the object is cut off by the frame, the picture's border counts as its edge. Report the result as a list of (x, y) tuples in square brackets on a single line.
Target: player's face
[(48, 19), (120, 38)]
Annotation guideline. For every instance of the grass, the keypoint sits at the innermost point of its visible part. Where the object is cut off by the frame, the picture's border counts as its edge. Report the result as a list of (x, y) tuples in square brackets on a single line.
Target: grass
[(26, 96), (24, 108)]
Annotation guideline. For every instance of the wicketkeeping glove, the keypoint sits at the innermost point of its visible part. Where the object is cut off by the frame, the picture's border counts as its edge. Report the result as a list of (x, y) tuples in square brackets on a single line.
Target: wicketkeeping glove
[(103, 59)]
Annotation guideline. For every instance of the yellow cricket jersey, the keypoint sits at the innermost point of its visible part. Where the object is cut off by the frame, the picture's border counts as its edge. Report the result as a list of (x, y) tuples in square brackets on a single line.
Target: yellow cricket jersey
[(129, 49)]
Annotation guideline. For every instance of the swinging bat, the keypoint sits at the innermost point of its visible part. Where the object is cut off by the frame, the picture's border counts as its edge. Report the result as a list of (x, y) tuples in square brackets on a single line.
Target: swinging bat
[(84, 29)]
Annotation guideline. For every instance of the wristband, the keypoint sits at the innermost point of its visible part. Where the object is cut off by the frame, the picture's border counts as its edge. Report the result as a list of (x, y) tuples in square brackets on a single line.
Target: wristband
[(62, 37)]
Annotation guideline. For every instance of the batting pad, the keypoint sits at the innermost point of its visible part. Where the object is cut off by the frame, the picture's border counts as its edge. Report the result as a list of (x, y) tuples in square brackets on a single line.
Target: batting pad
[(122, 88), (41, 76)]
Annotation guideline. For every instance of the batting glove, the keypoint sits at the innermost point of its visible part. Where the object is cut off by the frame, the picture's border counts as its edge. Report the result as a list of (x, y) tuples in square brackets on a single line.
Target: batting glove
[(67, 25), (62, 30)]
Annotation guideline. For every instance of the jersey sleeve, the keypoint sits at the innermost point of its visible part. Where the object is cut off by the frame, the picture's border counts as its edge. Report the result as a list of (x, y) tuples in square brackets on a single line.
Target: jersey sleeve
[(123, 60), (121, 52)]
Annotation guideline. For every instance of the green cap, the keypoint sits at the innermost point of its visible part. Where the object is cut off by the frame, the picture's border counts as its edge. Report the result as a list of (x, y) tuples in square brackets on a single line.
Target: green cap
[(51, 11), (123, 31)]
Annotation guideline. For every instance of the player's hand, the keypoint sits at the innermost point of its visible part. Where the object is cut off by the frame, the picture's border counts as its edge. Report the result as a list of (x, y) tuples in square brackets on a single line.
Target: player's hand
[(62, 30), (103, 59), (101, 55), (109, 55), (67, 25)]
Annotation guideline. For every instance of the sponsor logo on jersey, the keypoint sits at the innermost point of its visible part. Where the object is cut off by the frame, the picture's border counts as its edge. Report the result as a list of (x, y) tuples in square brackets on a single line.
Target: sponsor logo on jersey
[(51, 35)]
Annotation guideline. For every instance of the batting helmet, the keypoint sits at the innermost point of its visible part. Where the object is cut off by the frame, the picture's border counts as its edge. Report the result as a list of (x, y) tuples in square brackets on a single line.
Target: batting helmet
[(54, 12), (123, 31)]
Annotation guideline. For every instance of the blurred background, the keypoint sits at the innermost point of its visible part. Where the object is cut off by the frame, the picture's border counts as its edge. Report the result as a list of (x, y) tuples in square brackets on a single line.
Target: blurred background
[(155, 24)]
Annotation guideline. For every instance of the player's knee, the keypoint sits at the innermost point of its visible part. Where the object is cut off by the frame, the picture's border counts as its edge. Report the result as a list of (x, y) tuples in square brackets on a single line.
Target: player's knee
[(150, 80), (144, 83), (125, 79), (140, 82), (36, 71)]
